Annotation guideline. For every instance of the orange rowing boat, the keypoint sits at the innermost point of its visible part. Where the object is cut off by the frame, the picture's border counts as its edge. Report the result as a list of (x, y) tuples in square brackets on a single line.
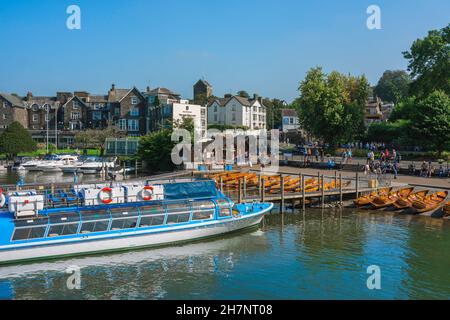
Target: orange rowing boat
[(403, 203), (365, 200), (430, 202), (385, 201)]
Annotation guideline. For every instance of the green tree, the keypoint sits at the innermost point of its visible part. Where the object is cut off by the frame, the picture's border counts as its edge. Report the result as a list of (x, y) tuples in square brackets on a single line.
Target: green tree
[(156, 149), (331, 106), (404, 109), (243, 93), (200, 99), (393, 86), (16, 139), (429, 62), (430, 122), (273, 112)]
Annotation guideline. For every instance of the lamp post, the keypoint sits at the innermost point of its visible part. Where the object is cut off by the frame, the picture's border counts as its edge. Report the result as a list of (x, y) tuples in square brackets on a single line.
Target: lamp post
[(46, 122)]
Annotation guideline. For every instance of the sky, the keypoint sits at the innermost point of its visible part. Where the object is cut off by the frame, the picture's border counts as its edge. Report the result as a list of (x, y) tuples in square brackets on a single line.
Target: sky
[(261, 46)]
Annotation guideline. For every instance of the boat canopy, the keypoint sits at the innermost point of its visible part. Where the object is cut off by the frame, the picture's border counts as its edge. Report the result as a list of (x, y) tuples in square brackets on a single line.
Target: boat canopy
[(192, 189)]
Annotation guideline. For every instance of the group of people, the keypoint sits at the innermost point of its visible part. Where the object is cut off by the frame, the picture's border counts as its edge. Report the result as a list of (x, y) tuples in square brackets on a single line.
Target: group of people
[(388, 161), (427, 170)]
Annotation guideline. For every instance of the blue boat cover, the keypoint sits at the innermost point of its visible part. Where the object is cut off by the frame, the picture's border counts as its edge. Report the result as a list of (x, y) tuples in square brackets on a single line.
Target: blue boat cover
[(189, 190)]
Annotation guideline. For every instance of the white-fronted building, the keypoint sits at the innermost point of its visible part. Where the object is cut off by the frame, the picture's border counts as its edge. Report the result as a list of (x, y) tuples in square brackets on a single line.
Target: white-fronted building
[(238, 111)]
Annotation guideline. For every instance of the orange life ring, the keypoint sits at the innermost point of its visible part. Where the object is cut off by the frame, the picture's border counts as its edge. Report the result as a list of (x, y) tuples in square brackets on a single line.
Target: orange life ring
[(149, 191), (103, 199)]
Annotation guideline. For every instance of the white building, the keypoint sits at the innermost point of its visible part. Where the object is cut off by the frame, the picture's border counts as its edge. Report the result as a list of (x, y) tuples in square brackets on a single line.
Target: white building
[(238, 111), (184, 109), (289, 120)]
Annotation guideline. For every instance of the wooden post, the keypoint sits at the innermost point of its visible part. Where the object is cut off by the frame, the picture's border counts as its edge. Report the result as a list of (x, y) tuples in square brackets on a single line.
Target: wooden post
[(240, 191), (52, 188), (221, 183), (259, 185), (323, 192), (303, 193), (318, 180), (245, 187), (357, 184), (262, 189), (340, 188), (282, 193), (335, 178), (300, 181)]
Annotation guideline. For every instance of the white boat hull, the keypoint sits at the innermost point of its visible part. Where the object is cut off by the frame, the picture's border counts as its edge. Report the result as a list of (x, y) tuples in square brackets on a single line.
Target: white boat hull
[(128, 240)]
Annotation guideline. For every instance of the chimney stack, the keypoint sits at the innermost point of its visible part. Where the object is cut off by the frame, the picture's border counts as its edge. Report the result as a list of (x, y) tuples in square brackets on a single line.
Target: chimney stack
[(29, 95)]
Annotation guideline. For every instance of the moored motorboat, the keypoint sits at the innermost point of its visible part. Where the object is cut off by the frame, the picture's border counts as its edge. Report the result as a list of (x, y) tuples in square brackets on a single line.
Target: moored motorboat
[(120, 216), (404, 203), (430, 202)]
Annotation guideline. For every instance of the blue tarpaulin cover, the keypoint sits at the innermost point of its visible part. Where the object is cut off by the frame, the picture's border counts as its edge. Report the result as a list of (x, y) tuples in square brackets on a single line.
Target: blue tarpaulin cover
[(194, 189)]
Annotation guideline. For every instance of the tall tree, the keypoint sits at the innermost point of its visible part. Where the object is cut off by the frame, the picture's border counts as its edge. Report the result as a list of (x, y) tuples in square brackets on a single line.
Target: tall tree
[(393, 86), (429, 62), (331, 106), (430, 122), (16, 139)]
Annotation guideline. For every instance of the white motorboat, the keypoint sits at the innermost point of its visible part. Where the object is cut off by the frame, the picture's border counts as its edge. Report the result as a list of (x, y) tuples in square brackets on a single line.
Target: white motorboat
[(56, 165), (95, 165)]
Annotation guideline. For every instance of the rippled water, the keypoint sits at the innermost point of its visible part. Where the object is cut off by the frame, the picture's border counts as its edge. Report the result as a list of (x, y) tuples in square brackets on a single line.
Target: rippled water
[(315, 255)]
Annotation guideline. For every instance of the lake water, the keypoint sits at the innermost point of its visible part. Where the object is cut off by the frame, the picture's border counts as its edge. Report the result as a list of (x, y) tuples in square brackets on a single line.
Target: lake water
[(319, 254)]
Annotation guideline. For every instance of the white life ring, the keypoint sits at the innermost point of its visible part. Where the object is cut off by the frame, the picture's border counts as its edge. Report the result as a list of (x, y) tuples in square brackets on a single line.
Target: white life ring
[(147, 193), (106, 195)]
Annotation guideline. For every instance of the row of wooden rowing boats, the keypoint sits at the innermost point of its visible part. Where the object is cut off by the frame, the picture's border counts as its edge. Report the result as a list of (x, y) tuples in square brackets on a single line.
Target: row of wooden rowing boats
[(405, 198), (272, 183)]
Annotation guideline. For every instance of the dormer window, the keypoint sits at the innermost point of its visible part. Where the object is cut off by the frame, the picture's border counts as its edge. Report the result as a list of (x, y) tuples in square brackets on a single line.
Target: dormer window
[(134, 100), (35, 107)]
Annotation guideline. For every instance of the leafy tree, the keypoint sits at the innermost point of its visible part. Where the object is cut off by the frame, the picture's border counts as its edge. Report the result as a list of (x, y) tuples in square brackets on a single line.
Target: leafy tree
[(96, 138), (200, 99), (331, 106), (156, 149), (430, 122), (429, 62), (393, 86), (404, 109), (273, 112), (16, 139), (243, 93)]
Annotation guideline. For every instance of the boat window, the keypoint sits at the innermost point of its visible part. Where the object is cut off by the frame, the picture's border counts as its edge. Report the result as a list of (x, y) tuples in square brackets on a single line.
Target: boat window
[(97, 214), (128, 223), (224, 208), (178, 217), (94, 221), (29, 233), (62, 229), (152, 216), (94, 226), (203, 210), (42, 220), (153, 220), (157, 209), (124, 212), (178, 207), (64, 217)]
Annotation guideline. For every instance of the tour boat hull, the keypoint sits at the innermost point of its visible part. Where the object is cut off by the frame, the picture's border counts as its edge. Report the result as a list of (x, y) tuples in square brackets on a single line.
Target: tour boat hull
[(129, 240)]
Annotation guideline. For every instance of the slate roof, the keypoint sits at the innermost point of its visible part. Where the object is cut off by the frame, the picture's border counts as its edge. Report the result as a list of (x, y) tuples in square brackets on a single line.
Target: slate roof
[(13, 100), (289, 113)]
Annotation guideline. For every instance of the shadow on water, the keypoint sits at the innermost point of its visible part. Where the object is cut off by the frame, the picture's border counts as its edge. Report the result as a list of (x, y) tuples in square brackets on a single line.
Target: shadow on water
[(317, 254)]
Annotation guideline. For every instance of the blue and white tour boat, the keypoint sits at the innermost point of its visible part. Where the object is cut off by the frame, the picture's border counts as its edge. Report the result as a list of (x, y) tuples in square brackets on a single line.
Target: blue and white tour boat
[(109, 217)]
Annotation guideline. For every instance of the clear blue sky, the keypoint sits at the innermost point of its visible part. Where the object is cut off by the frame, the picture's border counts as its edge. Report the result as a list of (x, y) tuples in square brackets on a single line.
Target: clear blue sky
[(262, 46)]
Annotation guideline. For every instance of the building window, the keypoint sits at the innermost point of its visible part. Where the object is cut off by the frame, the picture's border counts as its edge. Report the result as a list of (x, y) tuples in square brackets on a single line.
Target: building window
[(215, 108), (133, 125), (254, 108), (75, 115), (254, 117), (4, 116), (233, 117), (5, 104), (215, 117), (123, 124), (202, 111), (134, 111), (134, 100), (75, 105), (233, 108)]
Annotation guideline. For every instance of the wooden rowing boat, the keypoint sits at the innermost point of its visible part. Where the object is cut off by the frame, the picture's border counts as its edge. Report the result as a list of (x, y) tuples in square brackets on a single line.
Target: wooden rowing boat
[(430, 202), (385, 201), (365, 200), (404, 203)]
